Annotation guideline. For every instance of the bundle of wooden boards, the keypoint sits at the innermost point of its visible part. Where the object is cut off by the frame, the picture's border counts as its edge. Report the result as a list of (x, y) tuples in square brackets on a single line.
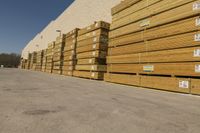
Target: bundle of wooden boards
[(39, 60), (49, 57), (155, 44), (44, 61), (91, 51), (33, 60), (58, 54), (69, 53)]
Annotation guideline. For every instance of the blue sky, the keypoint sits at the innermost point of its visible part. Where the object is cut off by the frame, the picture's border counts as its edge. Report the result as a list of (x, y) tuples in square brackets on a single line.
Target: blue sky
[(21, 20)]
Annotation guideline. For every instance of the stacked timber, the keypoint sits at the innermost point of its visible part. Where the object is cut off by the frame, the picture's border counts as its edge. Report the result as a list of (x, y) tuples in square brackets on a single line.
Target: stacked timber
[(69, 53), (58, 54), (39, 60), (91, 51), (33, 61), (44, 60), (49, 57), (23, 63), (155, 44)]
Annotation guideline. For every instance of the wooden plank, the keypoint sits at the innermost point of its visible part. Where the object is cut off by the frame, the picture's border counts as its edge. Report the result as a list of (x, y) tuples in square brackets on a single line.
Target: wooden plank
[(123, 5), (179, 27), (95, 26), (91, 41), (67, 73), (92, 54), (195, 86), (152, 10), (93, 68), (166, 83), (89, 75), (92, 34), (122, 79), (68, 53), (68, 68), (166, 56), (173, 69), (69, 63), (172, 42), (134, 8), (169, 16), (96, 46), (68, 58), (93, 61), (71, 33)]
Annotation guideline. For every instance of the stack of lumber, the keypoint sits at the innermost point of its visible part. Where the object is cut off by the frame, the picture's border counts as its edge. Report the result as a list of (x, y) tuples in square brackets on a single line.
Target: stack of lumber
[(39, 60), (33, 61), (69, 53), (155, 44), (58, 54), (49, 57), (23, 63), (44, 60), (91, 51)]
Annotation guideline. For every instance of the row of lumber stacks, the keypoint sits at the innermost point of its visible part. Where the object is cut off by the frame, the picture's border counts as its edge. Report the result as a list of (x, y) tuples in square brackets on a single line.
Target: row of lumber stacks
[(33, 61), (49, 57), (58, 54), (155, 44), (91, 51), (69, 53), (39, 60), (44, 60)]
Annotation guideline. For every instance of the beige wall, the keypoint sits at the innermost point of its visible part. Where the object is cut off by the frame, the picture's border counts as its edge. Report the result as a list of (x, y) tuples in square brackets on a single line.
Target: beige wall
[(80, 14)]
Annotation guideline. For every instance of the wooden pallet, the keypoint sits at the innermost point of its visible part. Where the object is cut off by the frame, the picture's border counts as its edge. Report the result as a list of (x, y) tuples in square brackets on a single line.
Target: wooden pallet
[(89, 75), (172, 42), (92, 54), (155, 82), (93, 34), (94, 61), (95, 26), (93, 68), (169, 16), (172, 69), (93, 47), (176, 28), (166, 56)]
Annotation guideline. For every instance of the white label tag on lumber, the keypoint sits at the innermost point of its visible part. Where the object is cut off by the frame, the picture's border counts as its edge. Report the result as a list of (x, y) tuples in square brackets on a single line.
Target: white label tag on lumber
[(184, 84), (95, 39), (93, 74), (144, 23), (197, 53), (93, 33), (94, 46), (94, 53), (148, 68), (197, 37), (96, 25), (90, 60), (198, 22), (196, 6), (197, 68), (92, 68)]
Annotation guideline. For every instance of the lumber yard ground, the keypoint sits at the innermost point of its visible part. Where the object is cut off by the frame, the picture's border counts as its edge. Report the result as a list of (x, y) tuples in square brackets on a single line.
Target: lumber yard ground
[(35, 102)]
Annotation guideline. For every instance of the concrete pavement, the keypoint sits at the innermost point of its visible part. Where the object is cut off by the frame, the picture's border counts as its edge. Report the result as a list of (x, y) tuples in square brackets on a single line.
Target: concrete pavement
[(35, 102)]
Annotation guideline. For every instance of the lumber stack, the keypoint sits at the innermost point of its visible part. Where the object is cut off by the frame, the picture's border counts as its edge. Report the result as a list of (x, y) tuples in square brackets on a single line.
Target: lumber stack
[(69, 53), (39, 60), (44, 60), (155, 44), (91, 51), (33, 61), (58, 54), (49, 57)]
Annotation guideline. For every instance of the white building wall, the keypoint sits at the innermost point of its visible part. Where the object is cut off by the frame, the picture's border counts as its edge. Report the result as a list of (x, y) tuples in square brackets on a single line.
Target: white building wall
[(80, 14)]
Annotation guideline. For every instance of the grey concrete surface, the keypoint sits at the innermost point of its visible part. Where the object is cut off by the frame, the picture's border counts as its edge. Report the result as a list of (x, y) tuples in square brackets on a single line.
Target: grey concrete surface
[(35, 102)]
